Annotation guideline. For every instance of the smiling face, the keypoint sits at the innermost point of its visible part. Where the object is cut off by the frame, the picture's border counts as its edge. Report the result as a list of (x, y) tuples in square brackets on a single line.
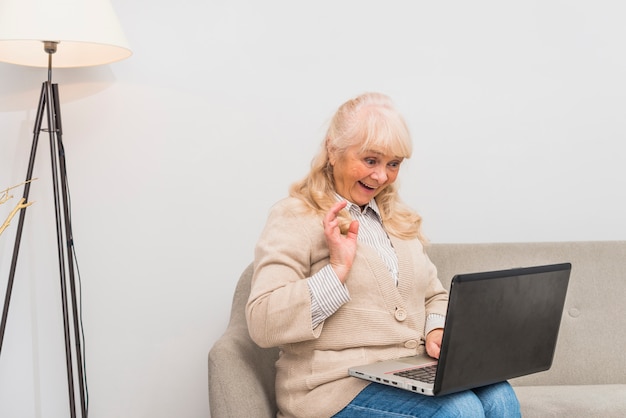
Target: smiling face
[(366, 142), (360, 175)]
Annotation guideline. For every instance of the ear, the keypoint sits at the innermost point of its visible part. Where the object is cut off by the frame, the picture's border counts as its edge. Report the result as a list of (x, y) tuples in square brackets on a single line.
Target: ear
[(332, 157)]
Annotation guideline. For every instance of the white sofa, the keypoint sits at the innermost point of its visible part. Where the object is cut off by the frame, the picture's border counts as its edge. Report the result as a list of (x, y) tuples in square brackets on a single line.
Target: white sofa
[(587, 378)]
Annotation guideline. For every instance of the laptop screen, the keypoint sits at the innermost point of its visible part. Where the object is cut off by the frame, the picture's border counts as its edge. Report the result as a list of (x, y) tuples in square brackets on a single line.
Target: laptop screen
[(511, 317)]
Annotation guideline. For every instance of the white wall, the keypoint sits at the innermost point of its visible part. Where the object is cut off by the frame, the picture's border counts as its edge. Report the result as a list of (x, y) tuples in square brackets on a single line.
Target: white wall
[(175, 155)]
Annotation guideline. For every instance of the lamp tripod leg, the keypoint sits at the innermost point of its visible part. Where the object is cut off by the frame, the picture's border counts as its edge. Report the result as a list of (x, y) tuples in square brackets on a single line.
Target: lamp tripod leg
[(65, 247), (22, 216), (49, 101)]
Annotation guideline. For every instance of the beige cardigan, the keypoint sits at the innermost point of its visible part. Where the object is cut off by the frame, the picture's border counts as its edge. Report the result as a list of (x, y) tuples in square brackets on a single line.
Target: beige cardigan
[(381, 320)]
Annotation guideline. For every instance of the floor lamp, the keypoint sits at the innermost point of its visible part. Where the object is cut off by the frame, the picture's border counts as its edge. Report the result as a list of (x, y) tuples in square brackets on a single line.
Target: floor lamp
[(70, 33)]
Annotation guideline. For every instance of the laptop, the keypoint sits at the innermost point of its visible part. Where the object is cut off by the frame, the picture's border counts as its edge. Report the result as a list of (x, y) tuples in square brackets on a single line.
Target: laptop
[(499, 325)]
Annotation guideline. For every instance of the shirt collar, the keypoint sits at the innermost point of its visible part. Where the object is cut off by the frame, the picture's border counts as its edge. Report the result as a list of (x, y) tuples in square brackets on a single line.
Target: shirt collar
[(353, 207)]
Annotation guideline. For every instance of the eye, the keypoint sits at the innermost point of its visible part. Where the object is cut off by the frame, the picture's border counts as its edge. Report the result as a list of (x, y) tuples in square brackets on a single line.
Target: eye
[(370, 161), (395, 164)]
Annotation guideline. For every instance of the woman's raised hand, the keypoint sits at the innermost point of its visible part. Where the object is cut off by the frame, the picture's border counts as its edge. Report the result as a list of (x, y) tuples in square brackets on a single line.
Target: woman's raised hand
[(342, 247)]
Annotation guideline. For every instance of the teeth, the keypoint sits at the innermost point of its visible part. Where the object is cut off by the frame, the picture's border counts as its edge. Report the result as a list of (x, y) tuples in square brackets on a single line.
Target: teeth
[(368, 186)]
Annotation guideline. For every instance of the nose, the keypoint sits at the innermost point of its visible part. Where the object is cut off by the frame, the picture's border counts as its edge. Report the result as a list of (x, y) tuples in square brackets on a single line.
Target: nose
[(380, 175)]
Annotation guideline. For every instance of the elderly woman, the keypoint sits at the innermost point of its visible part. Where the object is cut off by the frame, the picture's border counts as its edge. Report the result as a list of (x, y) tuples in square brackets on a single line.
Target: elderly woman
[(336, 262)]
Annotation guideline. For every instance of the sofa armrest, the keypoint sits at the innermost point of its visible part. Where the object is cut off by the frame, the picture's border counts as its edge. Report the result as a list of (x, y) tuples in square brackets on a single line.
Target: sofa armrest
[(241, 379), (241, 374)]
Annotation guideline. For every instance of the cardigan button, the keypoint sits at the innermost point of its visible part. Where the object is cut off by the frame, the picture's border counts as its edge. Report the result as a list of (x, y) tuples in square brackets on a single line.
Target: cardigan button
[(410, 344), (400, 314)]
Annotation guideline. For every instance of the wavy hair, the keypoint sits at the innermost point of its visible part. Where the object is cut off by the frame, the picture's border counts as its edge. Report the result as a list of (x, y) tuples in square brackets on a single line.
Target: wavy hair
[(371, 121)]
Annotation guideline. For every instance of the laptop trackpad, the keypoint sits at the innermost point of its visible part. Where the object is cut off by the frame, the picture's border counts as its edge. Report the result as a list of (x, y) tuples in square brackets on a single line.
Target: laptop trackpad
[(418, 360)]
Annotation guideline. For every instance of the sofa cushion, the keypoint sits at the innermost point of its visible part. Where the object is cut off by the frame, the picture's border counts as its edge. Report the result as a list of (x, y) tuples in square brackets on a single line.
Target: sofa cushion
[(579, 401)]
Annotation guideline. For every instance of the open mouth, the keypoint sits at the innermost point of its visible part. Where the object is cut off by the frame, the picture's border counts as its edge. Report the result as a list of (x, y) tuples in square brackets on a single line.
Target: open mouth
[(366, 186)]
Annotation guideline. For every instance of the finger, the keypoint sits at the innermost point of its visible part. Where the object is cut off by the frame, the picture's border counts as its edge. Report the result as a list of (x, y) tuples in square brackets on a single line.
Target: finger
[(331, 216), (433, 350), (353, 230), (337, 207)]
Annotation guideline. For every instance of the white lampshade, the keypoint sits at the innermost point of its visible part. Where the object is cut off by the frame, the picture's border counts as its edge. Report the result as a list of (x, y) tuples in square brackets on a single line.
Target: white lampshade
[(88, 33)]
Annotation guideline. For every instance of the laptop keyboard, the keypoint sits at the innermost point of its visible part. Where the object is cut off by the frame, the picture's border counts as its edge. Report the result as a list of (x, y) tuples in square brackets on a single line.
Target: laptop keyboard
[(422, 374)]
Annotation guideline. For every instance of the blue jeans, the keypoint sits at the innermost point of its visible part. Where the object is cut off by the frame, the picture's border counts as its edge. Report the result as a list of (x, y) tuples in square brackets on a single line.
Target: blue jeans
[(377, 401)]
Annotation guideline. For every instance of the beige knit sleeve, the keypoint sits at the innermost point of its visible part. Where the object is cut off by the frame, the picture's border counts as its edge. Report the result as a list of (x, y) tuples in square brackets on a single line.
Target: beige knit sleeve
[(279, 307)]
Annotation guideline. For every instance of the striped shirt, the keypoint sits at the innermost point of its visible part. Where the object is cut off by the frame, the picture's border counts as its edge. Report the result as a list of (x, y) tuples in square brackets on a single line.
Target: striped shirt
[(328, 293)]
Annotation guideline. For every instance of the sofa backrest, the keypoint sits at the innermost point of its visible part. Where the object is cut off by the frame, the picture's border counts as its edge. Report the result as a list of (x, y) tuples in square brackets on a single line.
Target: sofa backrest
[(592, 337)]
